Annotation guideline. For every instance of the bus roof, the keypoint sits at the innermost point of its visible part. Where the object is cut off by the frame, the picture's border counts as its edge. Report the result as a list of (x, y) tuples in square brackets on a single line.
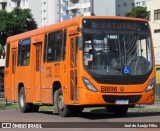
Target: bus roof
[(62, 25)]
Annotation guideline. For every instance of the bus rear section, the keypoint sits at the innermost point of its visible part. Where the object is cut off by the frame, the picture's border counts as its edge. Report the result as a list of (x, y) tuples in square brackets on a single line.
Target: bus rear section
[(83, 62)]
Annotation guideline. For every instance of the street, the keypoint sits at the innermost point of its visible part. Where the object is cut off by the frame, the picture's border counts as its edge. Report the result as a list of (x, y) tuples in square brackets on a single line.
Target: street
[(93, 116), (89, 118)]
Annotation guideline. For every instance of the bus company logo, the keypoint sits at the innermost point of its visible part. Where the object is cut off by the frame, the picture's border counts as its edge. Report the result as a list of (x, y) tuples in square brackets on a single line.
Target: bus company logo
[(121, 88), (6, 125)]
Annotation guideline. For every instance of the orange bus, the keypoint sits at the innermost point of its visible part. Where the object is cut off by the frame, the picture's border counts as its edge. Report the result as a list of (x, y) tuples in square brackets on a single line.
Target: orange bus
[(81, 62)]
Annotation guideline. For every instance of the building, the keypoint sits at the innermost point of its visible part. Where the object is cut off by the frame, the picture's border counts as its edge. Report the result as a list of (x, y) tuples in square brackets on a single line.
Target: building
[(47, 12), (140, 3), (153, 7), (9, 5), (73, 8), (50, 11), (123, 6), (3, 4)]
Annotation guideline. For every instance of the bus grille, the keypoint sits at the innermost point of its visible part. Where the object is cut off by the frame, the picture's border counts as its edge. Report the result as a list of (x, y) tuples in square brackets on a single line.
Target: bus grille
[(121, 80), (112, 99)]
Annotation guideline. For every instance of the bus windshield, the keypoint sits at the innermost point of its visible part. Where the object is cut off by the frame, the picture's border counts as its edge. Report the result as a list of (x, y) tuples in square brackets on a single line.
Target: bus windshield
[(114, 52)]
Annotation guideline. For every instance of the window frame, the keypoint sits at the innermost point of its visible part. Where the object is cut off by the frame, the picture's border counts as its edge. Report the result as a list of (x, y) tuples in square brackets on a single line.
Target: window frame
[(23, 43), (62, 47), (157, 14), (149, 15), (7, 56)]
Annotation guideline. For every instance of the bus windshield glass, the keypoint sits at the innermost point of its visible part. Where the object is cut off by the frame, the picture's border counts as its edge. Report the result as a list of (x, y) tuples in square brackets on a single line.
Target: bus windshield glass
[(117, 47)]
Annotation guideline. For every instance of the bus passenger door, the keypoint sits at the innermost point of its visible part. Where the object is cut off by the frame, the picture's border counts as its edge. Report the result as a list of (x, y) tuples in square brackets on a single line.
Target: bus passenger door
[(37, 79), (73, 70), (13, 71)]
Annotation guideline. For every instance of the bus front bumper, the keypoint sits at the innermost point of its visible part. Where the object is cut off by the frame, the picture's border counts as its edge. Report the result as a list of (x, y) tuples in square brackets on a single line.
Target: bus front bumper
[(97, 98)]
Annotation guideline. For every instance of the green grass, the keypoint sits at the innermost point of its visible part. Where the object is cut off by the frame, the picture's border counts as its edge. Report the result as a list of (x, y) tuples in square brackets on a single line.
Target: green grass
[(45, 108), (9, 106)]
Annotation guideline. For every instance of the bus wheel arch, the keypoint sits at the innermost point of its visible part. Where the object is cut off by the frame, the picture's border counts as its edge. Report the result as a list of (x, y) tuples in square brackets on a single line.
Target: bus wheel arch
[(55, 87), (23, 105), (63, 110), (20, 85), (59, 106)]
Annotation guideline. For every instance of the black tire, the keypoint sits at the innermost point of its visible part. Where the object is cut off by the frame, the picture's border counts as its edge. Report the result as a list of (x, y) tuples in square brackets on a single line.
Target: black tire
[(118, 110), (75, 110), (23, 105), (35, 108), (63, 110), (132, 106)]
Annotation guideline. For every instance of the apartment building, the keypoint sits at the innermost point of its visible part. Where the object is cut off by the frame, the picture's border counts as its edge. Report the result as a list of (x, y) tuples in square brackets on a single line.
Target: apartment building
[(73, 8), (153, 7), (3, 4), (140, 3), (34, 5), (11, 4), (123, 6), (47, 12)]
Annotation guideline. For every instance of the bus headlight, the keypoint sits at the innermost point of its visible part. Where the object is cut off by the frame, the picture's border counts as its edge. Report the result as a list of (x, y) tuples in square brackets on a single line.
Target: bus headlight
[(151, 85), (89, 85)]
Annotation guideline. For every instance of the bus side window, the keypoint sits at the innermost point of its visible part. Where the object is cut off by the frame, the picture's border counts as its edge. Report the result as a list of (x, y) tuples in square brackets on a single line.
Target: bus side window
[(45, 48), (64, 44), (25, 52), (54, 49), (8, 55)]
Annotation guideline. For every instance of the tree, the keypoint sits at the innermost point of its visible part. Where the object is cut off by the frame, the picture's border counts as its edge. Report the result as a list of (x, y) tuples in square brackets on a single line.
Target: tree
[(138, 12), (4, 25), (15, 22)]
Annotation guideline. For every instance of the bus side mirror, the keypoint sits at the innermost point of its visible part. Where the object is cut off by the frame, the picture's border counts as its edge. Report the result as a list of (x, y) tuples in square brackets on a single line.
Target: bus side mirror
[(79, 42)]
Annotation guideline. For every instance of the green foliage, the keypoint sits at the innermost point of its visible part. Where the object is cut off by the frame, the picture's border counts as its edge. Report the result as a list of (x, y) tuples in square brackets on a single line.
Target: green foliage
[(15, 22), (138, 12)]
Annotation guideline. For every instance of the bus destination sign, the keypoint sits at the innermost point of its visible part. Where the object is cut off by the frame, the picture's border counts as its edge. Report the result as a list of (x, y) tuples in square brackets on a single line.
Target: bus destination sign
[(114, 24)]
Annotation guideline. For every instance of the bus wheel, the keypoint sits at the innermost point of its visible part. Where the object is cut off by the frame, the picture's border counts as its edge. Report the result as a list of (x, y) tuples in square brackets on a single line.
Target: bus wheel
[(63, 110), (23, 105), (76, 109), (35, 108), (118, 110)]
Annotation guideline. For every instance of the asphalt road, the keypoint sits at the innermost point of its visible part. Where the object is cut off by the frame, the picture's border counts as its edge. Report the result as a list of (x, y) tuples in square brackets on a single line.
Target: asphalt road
[(94, 120)]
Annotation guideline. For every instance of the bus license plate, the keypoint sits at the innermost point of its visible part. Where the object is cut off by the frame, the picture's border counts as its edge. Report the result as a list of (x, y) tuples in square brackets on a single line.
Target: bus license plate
[(122, 102)]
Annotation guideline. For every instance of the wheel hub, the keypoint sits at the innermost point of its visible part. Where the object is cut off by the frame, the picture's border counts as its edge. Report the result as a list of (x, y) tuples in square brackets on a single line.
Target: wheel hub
[(60, 102), (22, 100)]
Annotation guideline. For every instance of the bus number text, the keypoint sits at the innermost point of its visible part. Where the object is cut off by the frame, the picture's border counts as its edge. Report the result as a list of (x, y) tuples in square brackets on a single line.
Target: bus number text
[(108, 89)]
